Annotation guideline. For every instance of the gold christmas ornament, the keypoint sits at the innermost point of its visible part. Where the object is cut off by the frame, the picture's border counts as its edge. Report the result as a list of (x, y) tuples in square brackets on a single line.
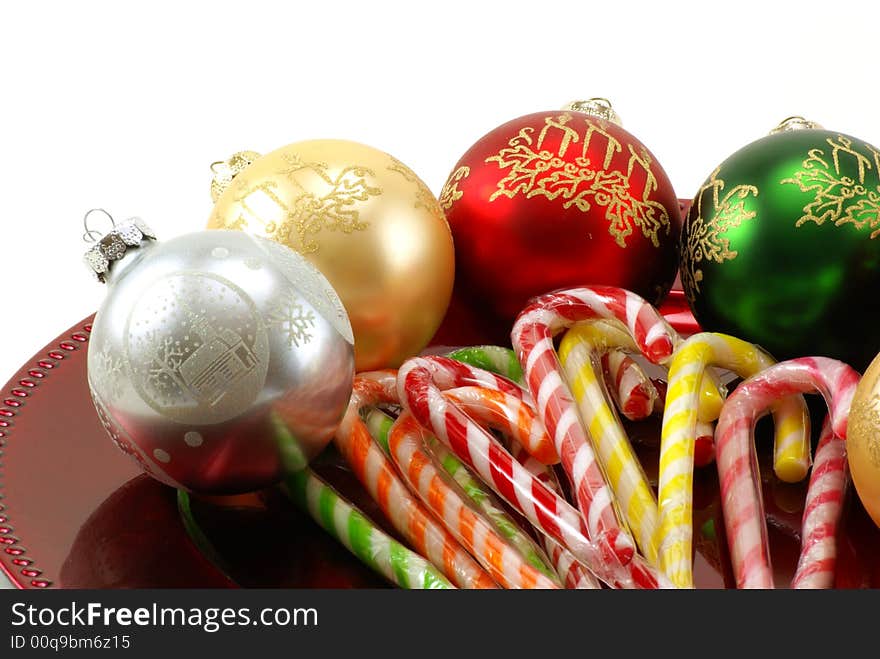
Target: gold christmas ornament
[(368, 223), (863, 440)]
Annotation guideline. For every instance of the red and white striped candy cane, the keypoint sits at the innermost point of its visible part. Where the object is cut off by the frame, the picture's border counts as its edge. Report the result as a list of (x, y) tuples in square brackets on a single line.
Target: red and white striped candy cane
[(509, 415), (822, 512), (406, 441), (740, 480), (612, 556), (631, 389), (572, 572), (406, 513), (532, 338)]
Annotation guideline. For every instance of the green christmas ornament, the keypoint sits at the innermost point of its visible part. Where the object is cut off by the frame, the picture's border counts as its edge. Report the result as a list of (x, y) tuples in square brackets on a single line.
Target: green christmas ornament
[(782, 245)]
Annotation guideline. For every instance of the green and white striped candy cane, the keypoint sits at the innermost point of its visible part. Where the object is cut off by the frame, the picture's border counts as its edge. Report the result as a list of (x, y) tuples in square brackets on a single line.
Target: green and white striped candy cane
[(494, 359), (359, 535), (379, 424)]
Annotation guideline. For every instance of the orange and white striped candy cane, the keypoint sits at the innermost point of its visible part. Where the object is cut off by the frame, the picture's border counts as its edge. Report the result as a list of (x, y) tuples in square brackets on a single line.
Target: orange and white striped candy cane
[(740, 480), (503, 563), (675, 497), (482, 403), (406, 513), (508, 414)]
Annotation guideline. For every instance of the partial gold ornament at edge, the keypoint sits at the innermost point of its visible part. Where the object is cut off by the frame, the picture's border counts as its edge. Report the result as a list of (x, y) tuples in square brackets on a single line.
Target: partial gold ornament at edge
[(705, 238), (834, 194), (450, 192), (864, 425), (308, 213), (536, 171)]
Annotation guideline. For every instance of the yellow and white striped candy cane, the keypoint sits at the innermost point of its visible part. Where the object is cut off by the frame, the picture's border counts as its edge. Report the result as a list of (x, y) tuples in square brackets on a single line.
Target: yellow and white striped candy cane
[(578, 351), (689, 363)]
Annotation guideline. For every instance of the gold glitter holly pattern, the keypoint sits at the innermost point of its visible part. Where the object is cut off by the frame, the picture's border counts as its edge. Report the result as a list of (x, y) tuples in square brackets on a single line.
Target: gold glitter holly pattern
[(309, 213), (838, 198), (705, 238), (864, 420), (535, 170), (424, 198), (450, 192)]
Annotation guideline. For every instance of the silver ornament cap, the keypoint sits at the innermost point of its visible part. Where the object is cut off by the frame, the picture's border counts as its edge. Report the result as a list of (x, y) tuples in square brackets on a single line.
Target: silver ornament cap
[(113, 245)]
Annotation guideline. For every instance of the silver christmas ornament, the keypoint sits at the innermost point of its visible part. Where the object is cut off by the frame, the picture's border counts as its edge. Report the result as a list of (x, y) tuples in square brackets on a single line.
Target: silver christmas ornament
[(218, 359)]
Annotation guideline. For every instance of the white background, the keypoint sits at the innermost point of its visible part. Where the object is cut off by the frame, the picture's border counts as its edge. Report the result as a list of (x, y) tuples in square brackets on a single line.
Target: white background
[(125, 106)]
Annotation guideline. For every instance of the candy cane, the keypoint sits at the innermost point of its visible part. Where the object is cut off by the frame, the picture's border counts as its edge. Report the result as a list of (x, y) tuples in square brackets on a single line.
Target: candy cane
[(611, 557), (494, 359), (445, 500), (822, 512), (621, 466), (486, 406), (573, 573), (679, 432), (634, 393), (740, 480), (503, 361), (406, 512), (631, 389), (380, 424), (509, 415), (360, 536), (532, 338), (489, 505), (711, 399)]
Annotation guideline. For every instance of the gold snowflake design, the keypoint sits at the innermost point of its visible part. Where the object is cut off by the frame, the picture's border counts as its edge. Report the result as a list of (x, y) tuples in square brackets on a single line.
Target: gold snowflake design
[(534, 170), (706, 239), (312, 210), (837, 198), (450, 192)]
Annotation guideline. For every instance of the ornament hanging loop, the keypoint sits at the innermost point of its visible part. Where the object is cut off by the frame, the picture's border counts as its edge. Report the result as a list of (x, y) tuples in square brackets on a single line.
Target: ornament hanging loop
[(596, 107), (794, 123), (92, 235)]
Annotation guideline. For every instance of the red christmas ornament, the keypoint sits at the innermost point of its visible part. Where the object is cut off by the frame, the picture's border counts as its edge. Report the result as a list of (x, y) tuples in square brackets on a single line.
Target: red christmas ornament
[(558, 199)]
